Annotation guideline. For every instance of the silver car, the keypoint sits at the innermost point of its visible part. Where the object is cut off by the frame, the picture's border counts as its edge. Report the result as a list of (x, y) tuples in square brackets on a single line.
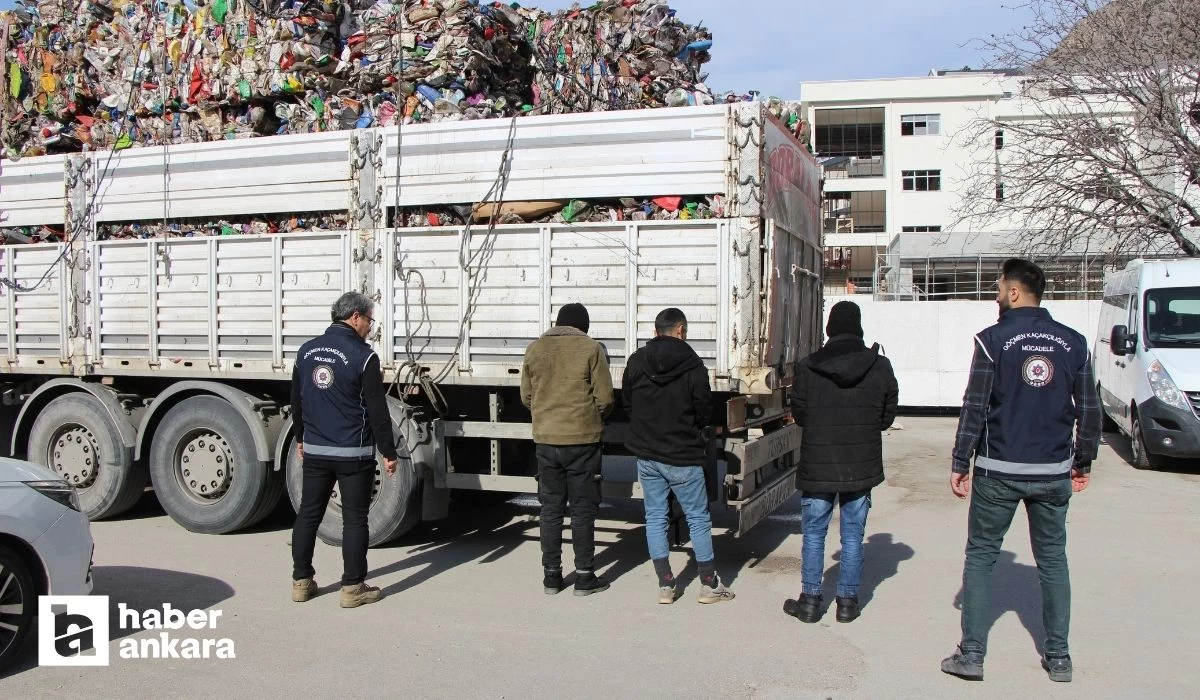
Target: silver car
[(45, 547)]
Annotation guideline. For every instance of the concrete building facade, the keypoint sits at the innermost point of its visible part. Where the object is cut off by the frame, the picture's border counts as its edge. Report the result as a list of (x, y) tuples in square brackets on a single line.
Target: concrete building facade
[(896, 155)]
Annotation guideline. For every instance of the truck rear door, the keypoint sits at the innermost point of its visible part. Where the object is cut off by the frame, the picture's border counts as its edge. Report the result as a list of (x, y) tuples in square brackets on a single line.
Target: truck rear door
[(761, 461)]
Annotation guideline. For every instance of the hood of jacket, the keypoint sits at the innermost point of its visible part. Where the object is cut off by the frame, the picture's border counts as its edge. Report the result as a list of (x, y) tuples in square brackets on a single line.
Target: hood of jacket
[(564, 331), (845, 360), (668, 358)]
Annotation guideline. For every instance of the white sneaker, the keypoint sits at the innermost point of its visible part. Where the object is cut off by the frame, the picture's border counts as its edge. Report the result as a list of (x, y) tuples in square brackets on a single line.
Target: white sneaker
[(716, 594)]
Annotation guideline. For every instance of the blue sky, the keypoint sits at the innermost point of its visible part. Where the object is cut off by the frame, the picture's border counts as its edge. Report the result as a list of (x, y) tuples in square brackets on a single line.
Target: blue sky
[(774, 45)]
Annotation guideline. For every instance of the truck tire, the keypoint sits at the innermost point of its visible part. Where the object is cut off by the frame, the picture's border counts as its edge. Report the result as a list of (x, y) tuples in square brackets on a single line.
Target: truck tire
[(74, 436), (1142, 459), (272, 495), (205, 470), (395, 501), (18, 603)]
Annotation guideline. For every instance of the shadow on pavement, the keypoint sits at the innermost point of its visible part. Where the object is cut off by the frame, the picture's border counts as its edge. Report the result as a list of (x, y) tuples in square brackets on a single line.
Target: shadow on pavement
[(468, 535), (139, 589), (881, 561), (732, 554), (142, 589), (1015, 588), (486, 534)]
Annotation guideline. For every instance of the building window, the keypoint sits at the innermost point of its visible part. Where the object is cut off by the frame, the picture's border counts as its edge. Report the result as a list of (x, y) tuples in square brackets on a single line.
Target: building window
[(855, 212), (999, 191), (921, 180), (920, 124), (920, 229), (855, 132), (1101, 138), (999, 139), (1100, 191)]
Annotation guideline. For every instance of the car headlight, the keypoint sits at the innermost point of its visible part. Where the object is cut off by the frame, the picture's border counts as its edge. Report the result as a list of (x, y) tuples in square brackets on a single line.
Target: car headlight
[(1164, 387), (59, 491)]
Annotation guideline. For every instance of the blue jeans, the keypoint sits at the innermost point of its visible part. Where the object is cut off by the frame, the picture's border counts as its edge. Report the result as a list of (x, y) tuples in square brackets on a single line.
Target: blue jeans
[(993, 504), (687, 483), (817, 511)]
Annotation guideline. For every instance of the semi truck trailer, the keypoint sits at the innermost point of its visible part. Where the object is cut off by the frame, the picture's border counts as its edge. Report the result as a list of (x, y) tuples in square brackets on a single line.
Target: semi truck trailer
[(163, 362)]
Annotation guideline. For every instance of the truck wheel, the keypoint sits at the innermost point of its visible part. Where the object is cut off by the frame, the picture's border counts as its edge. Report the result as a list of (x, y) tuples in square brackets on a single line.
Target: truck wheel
[(1142, 459), (74, 436), (395, 501), (204, 468), (18, 603)]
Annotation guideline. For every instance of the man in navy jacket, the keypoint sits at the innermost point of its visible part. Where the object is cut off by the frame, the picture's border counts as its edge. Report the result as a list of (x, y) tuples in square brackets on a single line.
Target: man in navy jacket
[(340, 418), (1031, 384)]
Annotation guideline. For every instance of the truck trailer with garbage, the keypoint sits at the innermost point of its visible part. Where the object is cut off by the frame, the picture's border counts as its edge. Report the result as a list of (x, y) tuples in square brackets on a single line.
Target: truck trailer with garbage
[(153, 297), (172, 354)]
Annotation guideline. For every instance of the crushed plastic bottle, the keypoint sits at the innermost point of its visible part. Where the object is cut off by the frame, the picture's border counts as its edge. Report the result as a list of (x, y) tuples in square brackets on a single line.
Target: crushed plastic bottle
[(104, 73)]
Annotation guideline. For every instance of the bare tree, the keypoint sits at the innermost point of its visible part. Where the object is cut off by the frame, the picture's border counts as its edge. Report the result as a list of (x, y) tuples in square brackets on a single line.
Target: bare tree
[(1099, 151)]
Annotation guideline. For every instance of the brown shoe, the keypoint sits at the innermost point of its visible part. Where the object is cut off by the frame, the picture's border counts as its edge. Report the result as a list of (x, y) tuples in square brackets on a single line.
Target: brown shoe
[(362, 594), (303, 590)]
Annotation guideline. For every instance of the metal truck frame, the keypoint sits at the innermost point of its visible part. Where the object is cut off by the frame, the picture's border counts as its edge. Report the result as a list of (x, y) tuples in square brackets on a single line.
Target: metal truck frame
[(166, 361)]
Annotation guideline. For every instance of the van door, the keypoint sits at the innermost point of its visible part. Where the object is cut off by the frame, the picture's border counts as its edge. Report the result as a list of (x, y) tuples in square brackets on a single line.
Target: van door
[(1102, 358), (1127, 369)]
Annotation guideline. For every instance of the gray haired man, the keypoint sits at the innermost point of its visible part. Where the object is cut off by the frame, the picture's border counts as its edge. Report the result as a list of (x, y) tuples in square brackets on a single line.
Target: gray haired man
[(340, 417)]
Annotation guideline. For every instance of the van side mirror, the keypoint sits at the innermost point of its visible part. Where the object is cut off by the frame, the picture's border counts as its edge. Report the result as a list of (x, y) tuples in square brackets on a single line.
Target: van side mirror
[(1120, 341)]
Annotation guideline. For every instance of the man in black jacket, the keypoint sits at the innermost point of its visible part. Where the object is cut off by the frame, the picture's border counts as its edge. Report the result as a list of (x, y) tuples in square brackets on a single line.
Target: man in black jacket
[(340, 417), (666, 394), (844, 397)]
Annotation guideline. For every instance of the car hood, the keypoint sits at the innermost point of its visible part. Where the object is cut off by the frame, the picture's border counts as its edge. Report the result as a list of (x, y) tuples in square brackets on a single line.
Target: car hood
[(1183, 364), (20, 470)]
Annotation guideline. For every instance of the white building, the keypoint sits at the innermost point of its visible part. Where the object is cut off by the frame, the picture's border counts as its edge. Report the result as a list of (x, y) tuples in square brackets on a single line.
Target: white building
[(896, 159)]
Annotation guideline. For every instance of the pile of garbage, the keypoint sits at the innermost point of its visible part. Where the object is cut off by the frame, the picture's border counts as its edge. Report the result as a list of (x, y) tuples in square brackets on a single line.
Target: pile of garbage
[(228, 226), (571, 212), (31, 234), (126, 73)]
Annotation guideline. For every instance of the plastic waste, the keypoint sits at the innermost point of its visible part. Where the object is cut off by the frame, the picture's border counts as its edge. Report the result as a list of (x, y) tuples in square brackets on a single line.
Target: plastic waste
[(148, 72)]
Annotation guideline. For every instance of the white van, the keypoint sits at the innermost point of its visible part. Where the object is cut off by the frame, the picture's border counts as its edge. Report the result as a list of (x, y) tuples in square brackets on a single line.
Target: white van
[(1147, 358)]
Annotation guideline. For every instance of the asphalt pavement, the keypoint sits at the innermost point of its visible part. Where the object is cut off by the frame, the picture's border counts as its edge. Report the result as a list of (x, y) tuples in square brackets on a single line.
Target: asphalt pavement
[(465, 615)]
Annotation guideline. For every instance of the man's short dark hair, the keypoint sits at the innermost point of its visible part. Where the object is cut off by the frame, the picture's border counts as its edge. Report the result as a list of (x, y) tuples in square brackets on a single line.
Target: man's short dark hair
[(349, 304), (668, 320), (1026, 274)]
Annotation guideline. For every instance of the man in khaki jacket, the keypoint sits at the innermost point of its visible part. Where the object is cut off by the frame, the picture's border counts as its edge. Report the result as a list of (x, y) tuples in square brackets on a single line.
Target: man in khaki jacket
[(566, 384)]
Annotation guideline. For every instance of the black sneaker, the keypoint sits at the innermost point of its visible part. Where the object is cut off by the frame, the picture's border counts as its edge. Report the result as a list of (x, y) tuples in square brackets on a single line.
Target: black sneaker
[(1058, 668), (552, 582), (589, 583), (847, 609), (967, 665), (806, 608)]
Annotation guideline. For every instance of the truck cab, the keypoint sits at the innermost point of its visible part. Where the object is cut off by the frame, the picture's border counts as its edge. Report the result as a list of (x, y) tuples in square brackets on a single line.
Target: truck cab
[(1147, 358)]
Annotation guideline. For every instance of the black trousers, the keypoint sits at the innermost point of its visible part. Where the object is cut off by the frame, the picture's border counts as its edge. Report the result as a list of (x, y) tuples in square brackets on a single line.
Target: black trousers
[(355, 480), (569, 474)]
